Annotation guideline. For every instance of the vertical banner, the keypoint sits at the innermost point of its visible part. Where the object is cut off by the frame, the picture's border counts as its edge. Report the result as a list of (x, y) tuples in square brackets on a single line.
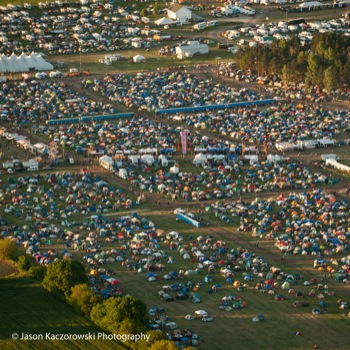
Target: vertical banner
[(184, 141)]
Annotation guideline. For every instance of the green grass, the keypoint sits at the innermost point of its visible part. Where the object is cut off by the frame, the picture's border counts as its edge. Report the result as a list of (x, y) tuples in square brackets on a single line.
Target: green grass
[(30, 309), (153, 61), (19, 2)]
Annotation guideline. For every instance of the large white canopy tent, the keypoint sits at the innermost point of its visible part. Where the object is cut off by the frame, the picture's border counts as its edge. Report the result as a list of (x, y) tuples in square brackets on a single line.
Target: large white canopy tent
[(23, 63)]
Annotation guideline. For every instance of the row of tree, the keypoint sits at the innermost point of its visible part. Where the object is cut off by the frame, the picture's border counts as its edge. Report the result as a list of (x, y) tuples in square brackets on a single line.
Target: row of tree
[(117, 315), (325, 62)]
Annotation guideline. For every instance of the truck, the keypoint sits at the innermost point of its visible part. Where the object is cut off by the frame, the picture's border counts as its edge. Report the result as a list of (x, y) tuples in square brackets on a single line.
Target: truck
[(76, 73)]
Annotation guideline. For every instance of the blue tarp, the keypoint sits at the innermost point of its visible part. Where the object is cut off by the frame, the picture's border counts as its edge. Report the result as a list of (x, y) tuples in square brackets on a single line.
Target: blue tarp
[(187, 219), (89, 118), (214, 107)]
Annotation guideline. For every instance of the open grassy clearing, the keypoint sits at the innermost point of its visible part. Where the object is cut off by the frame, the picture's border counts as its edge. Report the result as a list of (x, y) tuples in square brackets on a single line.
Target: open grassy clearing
[(153, 61), (30, 309)]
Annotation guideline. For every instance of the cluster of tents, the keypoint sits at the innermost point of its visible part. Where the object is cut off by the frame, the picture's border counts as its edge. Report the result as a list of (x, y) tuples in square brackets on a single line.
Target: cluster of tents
[(44, 100), (308, 223), (85, 194), (274, 124), (86, 29), (164, 90)]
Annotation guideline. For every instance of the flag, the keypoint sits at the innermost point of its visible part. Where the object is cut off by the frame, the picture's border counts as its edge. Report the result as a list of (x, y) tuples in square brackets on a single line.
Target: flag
[(184, 141)]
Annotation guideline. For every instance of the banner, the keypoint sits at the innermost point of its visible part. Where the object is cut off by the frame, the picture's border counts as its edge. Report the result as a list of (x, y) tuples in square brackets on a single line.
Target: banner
[(184, 141)]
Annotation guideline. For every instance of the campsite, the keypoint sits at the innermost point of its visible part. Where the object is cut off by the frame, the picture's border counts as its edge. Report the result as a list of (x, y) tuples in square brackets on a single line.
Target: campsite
[(175, 169)]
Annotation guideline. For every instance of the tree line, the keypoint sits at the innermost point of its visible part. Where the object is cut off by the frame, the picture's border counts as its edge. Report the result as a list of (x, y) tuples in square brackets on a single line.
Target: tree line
[(324, 63), (67, 280)]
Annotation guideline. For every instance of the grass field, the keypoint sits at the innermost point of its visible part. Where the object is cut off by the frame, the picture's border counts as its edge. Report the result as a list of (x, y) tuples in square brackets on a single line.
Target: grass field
[(153, 61), (28, 308)]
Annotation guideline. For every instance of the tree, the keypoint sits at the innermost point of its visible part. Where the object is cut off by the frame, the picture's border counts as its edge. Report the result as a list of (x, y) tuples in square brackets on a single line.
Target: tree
[(331, 79), (83, 298), (286, 74), (163, 345), (345, 74), (37, 272), (8, 249), (23, 263), (112, 314), (143, 12), (155, 9), (62, 275), (314, 70), (153, 337)]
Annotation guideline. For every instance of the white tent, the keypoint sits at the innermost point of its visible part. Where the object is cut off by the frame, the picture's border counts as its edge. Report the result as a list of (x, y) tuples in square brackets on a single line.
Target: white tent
[(200, 159), (139, 58), (147, 159), (23, 63), (106, 162), (163, 21), (310, 4), (328, 156), (253, 159), (201, 313), (274, 158), (333, 163), (163, 160), (174, 169)]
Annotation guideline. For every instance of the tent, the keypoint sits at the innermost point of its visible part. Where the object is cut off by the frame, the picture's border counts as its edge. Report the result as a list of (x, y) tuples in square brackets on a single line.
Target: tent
[(200, 313), (23, 63), (310, 4), (163, 21), (200, 159), (139, 58), (106, 162)]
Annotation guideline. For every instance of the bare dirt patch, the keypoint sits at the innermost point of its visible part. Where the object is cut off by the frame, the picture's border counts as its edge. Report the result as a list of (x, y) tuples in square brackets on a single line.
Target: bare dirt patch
[(6, 269)]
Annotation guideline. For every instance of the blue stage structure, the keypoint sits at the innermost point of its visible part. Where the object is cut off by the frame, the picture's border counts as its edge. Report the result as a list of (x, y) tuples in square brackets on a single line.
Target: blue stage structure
[(187, 219), (214, 107), (94, 118)]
